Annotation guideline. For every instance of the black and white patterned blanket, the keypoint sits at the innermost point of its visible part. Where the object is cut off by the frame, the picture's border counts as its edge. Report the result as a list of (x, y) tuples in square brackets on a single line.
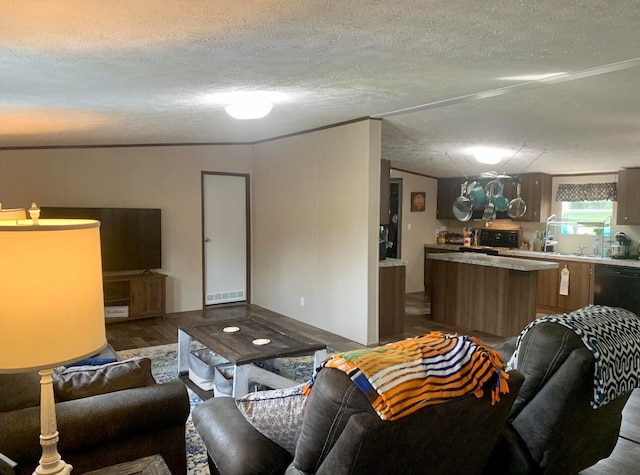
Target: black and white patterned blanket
[(613, 336)]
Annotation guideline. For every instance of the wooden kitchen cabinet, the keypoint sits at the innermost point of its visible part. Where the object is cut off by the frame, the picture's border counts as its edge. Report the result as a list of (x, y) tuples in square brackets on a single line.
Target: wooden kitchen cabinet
[(628, 196), (580, 286), (535, 190), (143, 295), (448, 190), (548, 298)]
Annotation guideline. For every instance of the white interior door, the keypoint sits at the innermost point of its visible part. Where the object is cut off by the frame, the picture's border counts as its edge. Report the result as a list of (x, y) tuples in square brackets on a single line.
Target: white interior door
[(225, 223)]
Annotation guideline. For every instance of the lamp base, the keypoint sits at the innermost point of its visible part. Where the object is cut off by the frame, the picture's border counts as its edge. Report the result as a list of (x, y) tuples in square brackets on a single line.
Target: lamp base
[(50, 463), (60, 468)]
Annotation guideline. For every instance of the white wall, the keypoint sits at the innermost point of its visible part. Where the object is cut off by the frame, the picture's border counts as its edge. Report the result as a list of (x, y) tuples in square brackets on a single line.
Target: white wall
[(152, 177), (422, 223), (315, 204)]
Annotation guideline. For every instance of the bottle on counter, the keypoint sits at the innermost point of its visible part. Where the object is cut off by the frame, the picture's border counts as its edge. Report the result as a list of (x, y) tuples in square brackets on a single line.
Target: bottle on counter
[(466, 237)]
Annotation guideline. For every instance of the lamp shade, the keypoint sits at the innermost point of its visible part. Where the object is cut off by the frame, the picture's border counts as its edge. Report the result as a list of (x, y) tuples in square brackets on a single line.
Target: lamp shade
[(51, 298), (13, 213)]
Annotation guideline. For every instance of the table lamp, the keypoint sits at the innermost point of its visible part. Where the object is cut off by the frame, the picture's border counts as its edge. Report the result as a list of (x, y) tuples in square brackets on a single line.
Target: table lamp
[(51, 308), (12, 213)]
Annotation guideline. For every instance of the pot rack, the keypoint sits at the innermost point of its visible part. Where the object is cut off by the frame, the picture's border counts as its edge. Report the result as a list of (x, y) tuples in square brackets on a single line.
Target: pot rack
[(494, 176)]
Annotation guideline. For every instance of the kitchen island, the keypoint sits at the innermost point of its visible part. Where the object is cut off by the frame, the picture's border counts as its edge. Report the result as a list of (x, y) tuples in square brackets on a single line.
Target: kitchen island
[(491, 294)]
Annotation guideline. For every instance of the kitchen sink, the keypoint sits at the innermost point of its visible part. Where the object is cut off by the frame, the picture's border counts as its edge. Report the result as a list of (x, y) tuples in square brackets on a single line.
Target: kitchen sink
[(572, 254)]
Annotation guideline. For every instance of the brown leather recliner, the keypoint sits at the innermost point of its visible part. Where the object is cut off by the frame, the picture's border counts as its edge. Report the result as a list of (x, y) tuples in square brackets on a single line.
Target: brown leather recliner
[(552, 427), (342, 434)]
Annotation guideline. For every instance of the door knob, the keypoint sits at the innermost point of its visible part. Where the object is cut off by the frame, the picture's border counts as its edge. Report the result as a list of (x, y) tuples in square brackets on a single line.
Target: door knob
[(207, 239)]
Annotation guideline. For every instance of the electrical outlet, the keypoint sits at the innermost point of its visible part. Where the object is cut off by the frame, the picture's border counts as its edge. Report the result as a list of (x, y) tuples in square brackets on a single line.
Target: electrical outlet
[(409, 227), (302, 301)]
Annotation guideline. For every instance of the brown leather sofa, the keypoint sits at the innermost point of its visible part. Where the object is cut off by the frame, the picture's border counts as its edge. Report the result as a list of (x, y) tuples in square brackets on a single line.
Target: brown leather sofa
[(552, 428), (342, 434), (99, 430)]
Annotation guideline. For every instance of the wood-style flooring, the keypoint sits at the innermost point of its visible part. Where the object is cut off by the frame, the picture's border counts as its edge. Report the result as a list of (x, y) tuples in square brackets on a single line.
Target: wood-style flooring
[(625, 460)]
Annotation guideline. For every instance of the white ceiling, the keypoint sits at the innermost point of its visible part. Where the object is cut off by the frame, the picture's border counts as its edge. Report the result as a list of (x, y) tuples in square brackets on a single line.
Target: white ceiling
[(116, 72)]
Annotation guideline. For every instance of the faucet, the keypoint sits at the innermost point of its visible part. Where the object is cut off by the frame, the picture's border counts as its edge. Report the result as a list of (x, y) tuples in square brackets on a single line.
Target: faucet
[(581, 250), (550, 219)]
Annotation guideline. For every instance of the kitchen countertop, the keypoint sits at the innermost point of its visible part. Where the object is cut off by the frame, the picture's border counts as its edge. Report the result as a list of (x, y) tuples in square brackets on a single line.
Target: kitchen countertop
[(551, 256), (391, 262), (511, 263)]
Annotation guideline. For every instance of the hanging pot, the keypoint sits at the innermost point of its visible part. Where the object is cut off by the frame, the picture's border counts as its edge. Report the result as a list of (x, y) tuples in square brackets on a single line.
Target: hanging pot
[(517, 207), (462, 207), (489, 212), (477, 196), (499, 201)]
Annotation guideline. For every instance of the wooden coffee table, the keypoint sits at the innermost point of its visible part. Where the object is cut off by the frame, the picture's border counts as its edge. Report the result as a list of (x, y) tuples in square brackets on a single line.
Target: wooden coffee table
[(247, 345), (152, 465)]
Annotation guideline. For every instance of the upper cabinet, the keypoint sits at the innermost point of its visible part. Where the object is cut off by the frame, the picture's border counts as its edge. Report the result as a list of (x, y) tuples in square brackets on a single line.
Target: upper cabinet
[(628, 196), (448, 190), (535, 190), (385, 192)]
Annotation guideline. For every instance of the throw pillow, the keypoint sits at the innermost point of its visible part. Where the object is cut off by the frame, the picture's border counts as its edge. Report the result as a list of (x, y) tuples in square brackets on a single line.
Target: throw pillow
[(92, 362), (84, 381), (276, 414)]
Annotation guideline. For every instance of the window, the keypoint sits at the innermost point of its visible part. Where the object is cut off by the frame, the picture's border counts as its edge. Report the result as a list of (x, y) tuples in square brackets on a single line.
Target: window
[(584, 212), (589, 205)]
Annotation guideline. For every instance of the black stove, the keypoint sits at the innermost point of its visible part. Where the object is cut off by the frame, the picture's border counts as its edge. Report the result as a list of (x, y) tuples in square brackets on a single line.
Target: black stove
[(481, 250)]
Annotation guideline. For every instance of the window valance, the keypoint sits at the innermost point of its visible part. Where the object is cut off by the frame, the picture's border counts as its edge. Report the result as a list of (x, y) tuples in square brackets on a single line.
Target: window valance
[(587, 192)]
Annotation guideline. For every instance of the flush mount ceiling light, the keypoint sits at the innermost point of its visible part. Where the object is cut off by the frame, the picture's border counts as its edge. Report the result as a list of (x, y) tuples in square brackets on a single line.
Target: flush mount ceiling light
[(246, 105), (489, 155), (249, 109)]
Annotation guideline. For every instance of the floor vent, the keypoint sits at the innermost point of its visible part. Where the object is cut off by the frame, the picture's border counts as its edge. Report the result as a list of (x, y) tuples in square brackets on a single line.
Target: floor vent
[(224, 296)]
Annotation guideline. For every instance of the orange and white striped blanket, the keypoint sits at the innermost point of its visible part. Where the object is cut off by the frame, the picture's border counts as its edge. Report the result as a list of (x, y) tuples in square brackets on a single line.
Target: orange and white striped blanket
[(402, 377)]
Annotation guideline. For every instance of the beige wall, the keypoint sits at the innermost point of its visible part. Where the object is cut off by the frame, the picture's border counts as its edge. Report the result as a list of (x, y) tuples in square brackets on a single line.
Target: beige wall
[(422, 224), (315, 201), (153, 177), (314, 228)]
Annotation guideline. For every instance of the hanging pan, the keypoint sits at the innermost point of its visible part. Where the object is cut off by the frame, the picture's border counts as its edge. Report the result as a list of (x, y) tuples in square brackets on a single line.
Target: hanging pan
[(462, 207), (499, 201), (489, 212), (517, 207)]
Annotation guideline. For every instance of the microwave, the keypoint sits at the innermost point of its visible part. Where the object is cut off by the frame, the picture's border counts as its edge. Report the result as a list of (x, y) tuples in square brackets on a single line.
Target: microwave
[(499, 238)]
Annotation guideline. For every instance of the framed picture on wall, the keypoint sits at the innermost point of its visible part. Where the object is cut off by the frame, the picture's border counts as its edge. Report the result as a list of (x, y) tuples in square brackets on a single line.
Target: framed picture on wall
[(417, 200)]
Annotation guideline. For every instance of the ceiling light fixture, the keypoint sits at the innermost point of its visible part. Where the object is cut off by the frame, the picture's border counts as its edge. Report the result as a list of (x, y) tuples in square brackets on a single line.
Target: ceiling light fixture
[(246, 105), (250, 109), (489, 155)]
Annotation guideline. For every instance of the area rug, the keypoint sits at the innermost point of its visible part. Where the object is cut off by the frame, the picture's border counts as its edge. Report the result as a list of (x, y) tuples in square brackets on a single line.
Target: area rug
[(164, 366)]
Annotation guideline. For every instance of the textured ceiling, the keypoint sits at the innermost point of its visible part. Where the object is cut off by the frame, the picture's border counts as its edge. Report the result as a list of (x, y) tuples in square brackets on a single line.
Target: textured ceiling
[(114, 72)]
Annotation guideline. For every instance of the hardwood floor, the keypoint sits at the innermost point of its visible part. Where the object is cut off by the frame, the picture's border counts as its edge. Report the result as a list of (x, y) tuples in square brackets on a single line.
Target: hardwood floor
[(625, 459)]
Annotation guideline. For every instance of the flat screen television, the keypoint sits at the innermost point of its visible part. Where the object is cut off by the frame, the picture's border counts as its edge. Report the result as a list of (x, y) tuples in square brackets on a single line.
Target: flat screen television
[(130, 237)]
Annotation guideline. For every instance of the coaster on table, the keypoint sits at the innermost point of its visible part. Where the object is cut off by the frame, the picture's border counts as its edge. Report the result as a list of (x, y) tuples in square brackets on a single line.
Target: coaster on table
[(261, 341), (230, 329)]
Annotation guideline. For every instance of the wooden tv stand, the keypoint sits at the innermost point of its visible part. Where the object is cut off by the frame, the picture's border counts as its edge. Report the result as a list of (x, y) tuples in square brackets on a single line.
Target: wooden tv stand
[(133, 296)]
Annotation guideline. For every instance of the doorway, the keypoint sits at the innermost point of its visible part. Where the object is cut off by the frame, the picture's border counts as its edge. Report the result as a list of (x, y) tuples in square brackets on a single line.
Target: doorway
[(395, 223), (225, 238)]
